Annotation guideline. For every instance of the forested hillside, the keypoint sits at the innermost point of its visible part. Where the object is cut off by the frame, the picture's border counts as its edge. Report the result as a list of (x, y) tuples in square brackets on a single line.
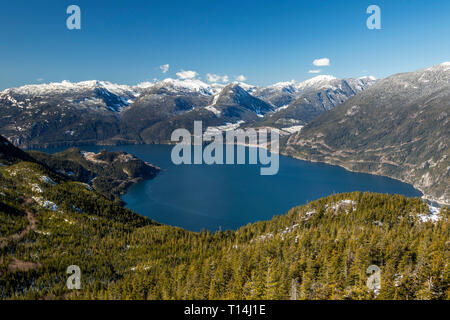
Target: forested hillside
[(110, 173), (317, 251)]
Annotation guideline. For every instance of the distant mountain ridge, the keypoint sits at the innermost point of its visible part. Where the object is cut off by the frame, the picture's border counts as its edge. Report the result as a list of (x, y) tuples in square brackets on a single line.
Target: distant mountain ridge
[(307, 100), (399, 127), (99, 112)]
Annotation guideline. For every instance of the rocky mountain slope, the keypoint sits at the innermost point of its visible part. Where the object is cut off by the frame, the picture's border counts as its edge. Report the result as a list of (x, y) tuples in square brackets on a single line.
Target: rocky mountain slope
[(96, 112), (307, 100), (283, 94), (63, 113), (398, 127)]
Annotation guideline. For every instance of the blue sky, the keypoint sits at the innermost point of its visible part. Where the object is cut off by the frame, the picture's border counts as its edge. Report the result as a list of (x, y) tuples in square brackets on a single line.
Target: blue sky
[(266, 41)]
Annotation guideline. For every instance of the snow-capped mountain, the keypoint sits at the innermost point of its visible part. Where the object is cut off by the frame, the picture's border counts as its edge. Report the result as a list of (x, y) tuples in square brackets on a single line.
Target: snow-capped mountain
[(398, 127), (299, 103), (412, 85), (233, 97), (72, 113), (284, 93), (99, 111), (186, 86), (65, 87), (84, 94), (163, 108)]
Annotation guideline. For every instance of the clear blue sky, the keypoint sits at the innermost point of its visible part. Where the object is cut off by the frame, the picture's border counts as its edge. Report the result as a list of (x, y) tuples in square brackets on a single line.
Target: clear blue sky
[(267, 41)]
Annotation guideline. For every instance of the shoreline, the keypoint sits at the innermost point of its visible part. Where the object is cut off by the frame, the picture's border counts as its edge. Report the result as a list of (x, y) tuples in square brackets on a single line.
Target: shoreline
[(424, 196)]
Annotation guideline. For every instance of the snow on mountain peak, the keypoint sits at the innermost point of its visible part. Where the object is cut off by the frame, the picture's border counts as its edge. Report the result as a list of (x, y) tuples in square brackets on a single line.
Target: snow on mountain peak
[(444, 66), (283, 84), (188, 85), (319, 79), (115, 97), (372, 78), (144, 85), (66, 87)]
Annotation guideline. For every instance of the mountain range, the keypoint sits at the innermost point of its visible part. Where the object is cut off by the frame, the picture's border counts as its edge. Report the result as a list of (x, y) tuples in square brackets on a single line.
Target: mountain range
[(397, 126), (98, 112)]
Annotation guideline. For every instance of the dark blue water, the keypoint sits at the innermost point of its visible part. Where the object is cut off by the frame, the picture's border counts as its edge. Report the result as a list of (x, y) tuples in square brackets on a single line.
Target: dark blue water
[(210, 197)]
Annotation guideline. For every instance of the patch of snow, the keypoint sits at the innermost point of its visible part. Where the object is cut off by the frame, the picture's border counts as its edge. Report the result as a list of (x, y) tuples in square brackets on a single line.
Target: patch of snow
[(432, 216), (189, 85), (281, 108), (352, 111), (87, 186), (343, 203), (46, 204), (247, 87), (45, 233), (293, 129), (211, 131), (318, 82), (368, 78), (48, 180), (36, 188), (213, 110), (144, 85), (282, 233), (68, 221)]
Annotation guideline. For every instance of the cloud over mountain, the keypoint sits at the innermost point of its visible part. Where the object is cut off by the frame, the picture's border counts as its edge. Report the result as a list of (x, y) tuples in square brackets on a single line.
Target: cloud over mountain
[(187, 74), (322, 62), (211, 77)]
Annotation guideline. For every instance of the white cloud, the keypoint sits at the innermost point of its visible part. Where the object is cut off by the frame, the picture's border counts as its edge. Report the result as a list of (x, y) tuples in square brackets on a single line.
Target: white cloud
[(241, 78), (211, 77), (164, 68), (323, 62), (40, 79), (314, 71), (187, 74)]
